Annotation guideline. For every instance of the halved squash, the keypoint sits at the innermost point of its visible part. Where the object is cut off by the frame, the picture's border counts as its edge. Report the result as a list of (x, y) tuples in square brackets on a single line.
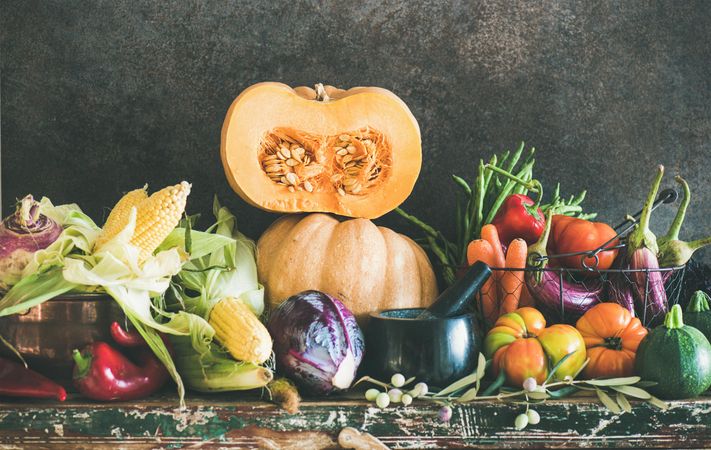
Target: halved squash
[(355, 153)]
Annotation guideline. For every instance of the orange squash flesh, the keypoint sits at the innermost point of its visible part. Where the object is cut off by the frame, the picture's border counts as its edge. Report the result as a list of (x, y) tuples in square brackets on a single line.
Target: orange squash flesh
[(355, 153)]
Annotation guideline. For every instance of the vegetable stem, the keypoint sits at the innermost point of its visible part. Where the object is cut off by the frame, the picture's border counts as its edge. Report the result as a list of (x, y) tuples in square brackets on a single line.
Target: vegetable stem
[(83, 363), (530, 185), (642, 236), (675, 227), (673, 319)]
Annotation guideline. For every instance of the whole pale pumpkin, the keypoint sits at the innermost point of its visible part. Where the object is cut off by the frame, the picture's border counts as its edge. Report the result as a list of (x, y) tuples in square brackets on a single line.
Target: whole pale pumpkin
[(367, 267)]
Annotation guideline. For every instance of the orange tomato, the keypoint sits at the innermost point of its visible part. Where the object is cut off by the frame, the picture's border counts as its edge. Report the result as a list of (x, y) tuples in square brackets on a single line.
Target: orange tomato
[(572, 235), (522, 346), (611, 336)]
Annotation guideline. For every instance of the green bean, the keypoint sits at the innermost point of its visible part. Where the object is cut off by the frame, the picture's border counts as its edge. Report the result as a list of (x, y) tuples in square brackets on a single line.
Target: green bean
[(423, 226), (515, 158), (463, 184)]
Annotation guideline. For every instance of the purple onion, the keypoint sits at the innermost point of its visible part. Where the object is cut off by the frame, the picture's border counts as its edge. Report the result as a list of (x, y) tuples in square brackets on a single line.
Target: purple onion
[(317, 342), (22, 234)]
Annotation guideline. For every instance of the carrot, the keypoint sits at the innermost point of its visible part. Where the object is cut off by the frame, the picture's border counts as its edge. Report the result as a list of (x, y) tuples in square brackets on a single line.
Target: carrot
[(491, 235), (512, 281), (481, 250), (526, 298)]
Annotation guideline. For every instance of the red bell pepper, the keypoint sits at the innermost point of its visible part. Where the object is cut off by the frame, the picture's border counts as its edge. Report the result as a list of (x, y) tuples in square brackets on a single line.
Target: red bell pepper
[(519, 217), (18, 381), (573, 235), (104, 373)]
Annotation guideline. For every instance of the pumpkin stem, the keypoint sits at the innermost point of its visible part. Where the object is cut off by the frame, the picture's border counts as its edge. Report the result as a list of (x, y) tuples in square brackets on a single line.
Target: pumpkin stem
[(674, 320), (699, 302), (321, 94)]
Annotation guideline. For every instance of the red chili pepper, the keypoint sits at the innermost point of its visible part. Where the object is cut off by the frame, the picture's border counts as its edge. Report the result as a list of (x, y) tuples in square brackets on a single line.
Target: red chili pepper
[(519, 217), (18, 381), (104, 373)]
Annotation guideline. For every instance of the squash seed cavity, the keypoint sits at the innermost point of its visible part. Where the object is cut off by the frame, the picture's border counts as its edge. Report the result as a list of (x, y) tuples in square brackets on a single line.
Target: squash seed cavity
[(349, 163)]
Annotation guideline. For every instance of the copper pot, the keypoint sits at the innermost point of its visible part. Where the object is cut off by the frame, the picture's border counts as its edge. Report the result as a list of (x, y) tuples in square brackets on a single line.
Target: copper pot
[(47, 334)]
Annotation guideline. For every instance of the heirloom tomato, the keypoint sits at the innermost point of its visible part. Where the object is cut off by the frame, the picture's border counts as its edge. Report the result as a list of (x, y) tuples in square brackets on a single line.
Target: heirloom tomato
[(522, 346), (611, 336)]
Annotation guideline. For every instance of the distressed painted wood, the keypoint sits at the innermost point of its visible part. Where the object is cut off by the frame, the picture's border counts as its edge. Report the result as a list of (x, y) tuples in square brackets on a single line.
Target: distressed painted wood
[(223, 422)]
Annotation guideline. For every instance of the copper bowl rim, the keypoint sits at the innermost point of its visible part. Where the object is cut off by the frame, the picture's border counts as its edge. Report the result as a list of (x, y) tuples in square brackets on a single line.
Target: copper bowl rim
[(79, 297)]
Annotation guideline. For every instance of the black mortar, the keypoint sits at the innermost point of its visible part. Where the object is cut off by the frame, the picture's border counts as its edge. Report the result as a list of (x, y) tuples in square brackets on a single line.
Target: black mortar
[(437, 351)]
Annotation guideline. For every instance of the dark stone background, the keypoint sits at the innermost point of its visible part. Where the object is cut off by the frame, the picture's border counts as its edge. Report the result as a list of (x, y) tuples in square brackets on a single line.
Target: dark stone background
[(100, 97)]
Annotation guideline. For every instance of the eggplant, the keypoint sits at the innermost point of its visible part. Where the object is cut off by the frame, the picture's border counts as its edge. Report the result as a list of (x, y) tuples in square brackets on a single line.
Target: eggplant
[(650, 296), (577, 297), (642, 251), (620, 291)]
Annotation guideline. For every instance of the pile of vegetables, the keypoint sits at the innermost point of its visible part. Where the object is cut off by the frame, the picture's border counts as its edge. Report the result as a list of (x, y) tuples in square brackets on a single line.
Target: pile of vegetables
[(135, 258), (497, 195), (196, 299)]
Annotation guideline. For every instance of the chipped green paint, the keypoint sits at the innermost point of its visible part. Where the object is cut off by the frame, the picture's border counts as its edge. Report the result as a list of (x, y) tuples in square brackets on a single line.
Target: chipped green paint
[(577, 422)]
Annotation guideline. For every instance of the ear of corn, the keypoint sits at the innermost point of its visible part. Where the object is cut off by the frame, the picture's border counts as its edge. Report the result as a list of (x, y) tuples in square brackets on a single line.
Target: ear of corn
[(118, 218), (156, 216), (240, 331), (216, 371)]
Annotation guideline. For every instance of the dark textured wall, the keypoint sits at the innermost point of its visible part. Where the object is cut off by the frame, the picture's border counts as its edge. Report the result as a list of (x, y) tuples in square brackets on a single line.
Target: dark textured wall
[(101, 97)]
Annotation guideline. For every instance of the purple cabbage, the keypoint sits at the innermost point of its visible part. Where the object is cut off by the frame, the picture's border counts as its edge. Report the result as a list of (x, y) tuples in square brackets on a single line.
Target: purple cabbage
[(317, 342), (22, 234)]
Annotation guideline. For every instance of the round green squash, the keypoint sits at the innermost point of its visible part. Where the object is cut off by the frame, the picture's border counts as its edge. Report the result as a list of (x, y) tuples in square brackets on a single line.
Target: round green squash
[(698, 313), (677, 357)]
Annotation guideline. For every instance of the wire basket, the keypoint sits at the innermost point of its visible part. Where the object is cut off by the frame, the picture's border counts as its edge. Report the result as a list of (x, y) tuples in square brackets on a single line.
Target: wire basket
[(563, 294)]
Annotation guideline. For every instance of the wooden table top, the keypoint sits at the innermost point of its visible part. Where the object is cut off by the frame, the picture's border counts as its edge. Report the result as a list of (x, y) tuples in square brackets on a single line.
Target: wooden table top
[(238, 420)]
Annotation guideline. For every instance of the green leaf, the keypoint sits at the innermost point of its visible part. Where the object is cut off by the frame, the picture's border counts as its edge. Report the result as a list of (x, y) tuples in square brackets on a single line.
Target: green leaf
[(202, 243), (156, 344), (480, 370), (633, 392), (457, 385), (538, 395), (646, 384), (498, 382), (481, 367), (468, 395), (614, 381), (563, 392), (608, 401), (623, 402), (557, 366), (658, 403), (35, 289), (581, 368)]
